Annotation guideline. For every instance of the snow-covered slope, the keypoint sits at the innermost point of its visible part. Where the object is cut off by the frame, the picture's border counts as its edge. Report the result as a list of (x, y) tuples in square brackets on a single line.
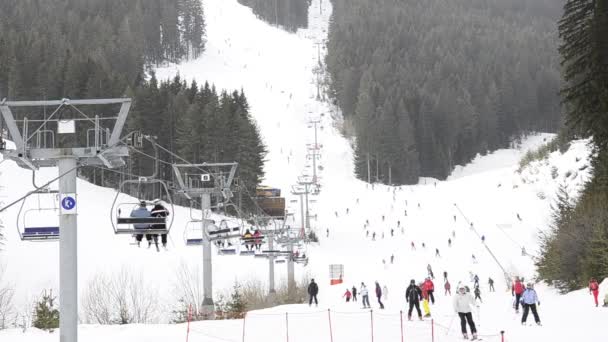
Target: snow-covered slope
[(275, 69)]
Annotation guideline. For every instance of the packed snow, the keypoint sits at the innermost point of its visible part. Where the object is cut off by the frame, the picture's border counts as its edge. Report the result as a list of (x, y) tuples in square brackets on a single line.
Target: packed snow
[(275, 69)]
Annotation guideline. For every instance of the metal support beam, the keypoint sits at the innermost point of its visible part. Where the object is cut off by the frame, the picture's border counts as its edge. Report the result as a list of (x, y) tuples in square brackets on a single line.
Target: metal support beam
[(208, 305), (68, 257), (291, 283)]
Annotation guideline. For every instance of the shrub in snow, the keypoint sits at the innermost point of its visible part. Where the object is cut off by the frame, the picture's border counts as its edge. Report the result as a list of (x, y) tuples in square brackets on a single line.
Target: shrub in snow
[(46, 315)]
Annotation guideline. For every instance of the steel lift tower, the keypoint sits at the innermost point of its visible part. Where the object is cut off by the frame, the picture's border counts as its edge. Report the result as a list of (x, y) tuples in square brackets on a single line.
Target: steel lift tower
[(35, 148)]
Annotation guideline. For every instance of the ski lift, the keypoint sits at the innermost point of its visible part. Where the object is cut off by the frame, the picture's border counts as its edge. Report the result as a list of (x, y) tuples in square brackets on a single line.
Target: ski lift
[(42, 222), (123, 224), (193, 233)]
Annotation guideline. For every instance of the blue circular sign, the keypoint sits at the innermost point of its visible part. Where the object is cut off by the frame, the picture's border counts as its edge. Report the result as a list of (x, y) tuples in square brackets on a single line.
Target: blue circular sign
[(68, 203)]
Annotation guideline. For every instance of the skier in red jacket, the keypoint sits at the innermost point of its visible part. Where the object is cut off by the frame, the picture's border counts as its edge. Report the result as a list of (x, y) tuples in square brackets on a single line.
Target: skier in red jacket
[(516, 290), (429, 287), (594, 288)]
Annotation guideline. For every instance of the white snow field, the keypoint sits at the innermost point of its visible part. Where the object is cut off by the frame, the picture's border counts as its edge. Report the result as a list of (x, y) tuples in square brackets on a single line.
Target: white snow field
[(275, 69)]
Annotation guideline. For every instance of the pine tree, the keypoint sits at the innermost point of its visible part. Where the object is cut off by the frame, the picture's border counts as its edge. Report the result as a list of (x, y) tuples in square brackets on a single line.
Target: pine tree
[(237, 306), (46, 316)]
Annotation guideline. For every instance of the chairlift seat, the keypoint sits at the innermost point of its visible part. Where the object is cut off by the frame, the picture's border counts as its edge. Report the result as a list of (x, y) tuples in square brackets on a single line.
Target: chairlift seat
[(261, 256), (227, 251), (280, 261), (194, 242), (141, 220), (137, 231), (224, 231), (40, 233), (246, 252)]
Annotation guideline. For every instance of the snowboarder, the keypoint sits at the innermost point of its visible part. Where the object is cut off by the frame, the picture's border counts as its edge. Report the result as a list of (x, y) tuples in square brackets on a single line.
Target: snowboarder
[(385, 292), (365, 296), (477, 292), (430, 271), (463, 301), (313, 290), (449, 242), (517, 289), (448, 288), (141, 212), (425, 300), (529, 299), (392, 258), (347, 295), (491, 283), (379, 295), (437, 252), (159, 211), (354, 292), (429, 287), (594, 289), (413, 296)]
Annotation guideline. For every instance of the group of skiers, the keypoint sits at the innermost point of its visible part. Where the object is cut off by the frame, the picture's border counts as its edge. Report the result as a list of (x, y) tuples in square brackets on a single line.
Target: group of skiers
[(157, 211), (381, 293)]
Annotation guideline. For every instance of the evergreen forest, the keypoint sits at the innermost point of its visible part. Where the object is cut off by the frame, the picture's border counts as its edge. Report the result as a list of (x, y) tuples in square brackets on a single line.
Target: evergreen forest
[(576, 247), (426, 85), (287, 14)]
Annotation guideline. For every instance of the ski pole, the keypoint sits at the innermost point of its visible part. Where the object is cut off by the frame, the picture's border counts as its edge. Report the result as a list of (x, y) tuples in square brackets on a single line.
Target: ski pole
[(450, 326)]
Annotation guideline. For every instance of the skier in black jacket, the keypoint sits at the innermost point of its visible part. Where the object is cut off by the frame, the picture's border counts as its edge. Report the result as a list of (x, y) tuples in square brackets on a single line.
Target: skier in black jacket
[(354, 292), (313, 290), (413, 295)]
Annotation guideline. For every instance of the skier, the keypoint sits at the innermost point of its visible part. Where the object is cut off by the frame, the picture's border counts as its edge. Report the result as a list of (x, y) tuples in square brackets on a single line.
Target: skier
[(523, 251), (594, 289), (367, 233), (379, 295), (354, 292), (477, 292), (516, 290), (518, 217), (448, 288), (313, 290), (529, 299), (473, 258), (335, 212), (141, 212), (483, 239), (257, 235), (454, 218), (463, 301), (430, 270), (365, 296), (392, 232), (374, 236), (413, 296), (398, 224), (392, 258), (449, 242), (491, 283), (437, 252), (430, 289), (327, 232), (383, 235), (423, 246), (476, 280), (347, 295), (347, 211), (413, 246), (382, 218), (453, 233), (405, 212), (248, 240), (159, 211), (385, 292), (445, 276)]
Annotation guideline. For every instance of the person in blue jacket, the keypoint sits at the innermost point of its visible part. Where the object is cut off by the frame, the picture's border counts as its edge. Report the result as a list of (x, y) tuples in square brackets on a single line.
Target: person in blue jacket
[(141, 212), (529, 299)]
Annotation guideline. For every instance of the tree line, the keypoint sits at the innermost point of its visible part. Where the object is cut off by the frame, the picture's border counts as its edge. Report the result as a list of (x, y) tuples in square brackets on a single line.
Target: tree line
[(426, 85), (576, 247), (288, 14)]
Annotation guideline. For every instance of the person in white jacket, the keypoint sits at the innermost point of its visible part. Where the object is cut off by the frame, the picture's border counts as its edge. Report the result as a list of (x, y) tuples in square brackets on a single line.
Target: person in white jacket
[(463, 303), (364, 296)]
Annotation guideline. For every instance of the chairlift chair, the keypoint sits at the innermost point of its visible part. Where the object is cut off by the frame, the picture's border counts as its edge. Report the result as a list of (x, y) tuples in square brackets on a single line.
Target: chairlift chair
[(29, 229), (123, 224)]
